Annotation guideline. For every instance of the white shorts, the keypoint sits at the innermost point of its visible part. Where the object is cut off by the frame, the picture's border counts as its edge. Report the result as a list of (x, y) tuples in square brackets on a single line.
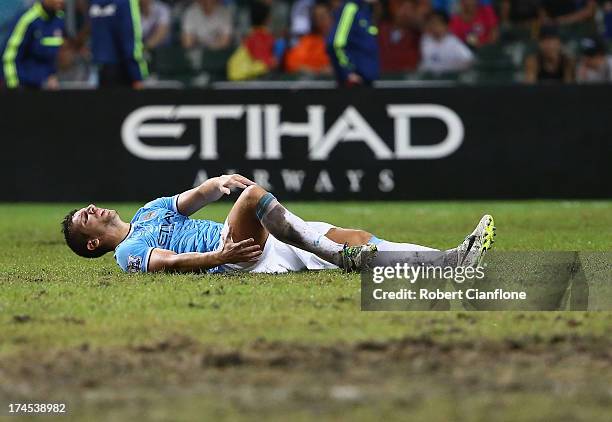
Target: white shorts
[(279, 257)]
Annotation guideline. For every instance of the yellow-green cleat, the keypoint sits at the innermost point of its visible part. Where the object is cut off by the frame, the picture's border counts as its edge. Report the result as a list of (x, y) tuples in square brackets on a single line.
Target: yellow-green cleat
[(473, 249), (357, 258)]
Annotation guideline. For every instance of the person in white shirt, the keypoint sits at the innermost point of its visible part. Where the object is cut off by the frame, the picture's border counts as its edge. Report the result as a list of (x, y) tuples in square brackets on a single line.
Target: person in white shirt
[(155, 21), (300, 17), (441, 51), (595, 66), (208, 24)]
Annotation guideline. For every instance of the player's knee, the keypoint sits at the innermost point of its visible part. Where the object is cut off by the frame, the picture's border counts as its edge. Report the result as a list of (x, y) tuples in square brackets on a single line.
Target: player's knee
[(253, 194)]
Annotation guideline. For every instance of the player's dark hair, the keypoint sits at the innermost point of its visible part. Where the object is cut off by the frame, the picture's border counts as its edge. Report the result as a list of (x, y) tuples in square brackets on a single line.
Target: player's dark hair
[(77, 241), (259, 13)]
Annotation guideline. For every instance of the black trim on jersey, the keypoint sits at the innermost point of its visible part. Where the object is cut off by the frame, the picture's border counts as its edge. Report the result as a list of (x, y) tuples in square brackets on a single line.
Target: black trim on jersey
[(148, 259), (176, 207)]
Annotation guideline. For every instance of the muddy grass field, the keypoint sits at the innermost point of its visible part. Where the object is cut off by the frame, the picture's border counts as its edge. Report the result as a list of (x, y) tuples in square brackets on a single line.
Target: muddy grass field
[(196, 347)]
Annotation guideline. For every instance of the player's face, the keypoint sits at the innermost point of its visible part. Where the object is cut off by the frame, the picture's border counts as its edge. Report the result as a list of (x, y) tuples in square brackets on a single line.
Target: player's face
[(93, 221)]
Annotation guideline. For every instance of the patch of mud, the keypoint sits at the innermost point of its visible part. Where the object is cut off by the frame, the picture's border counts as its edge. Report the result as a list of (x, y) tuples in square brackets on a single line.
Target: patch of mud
[(274, 378), (179, 359)]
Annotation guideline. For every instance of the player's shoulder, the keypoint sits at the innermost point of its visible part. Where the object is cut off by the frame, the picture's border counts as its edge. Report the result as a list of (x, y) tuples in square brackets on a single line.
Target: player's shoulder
[(149, 210), (132, 255), (165, 202)]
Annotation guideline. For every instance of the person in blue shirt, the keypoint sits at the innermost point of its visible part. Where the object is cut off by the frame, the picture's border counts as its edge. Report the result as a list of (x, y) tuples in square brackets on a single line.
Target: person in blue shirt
[(352, 44), (259, 235), (116, 43), (29, 52)]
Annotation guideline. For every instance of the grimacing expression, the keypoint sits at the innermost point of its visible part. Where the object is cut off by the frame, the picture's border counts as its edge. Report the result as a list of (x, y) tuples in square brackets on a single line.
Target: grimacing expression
[(93, 221)]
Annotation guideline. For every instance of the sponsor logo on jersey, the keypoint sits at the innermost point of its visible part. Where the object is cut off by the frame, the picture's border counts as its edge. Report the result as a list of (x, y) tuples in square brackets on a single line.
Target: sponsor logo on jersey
[(148, 216), (134, 264)]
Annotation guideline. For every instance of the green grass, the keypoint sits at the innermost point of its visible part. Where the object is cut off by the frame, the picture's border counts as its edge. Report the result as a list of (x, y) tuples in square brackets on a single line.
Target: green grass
[(52, 302)]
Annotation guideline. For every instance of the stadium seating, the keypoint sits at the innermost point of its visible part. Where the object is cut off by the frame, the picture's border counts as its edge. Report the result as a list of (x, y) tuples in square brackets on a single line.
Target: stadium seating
[(497, 63)]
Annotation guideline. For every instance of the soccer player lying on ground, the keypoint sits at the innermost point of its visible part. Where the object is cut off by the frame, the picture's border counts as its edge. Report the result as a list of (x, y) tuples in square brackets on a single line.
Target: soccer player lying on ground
[(259, 235)]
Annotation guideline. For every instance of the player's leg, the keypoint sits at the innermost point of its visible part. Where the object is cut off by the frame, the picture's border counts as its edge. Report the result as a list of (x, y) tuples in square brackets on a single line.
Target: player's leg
[(361, 237), (330, 246), (407, 253), (349, 237), (257, 213), (291, 229), (243, 220), (469, 253), (272, 217)]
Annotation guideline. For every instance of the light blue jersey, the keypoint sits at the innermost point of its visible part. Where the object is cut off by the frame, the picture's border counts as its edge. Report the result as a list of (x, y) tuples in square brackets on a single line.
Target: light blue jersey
[(159, 224)]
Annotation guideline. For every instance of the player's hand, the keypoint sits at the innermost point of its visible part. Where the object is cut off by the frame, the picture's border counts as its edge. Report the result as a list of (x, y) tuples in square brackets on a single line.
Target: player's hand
[(235, 252), (227, 182)]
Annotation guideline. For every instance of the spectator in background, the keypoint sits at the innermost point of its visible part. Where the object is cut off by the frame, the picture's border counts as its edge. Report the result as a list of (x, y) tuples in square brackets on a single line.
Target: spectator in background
[(301, 17), (279, 18), (309, 55), (29, 54), (116, 43), (155, 16), (594, 66), (208, 24), (519, 12), (74, 58), (422, 9), (74, 66), (442, 51), (550, 64), (256, 55), (399, 40), (567, 12), (352, 44), (474, 24)]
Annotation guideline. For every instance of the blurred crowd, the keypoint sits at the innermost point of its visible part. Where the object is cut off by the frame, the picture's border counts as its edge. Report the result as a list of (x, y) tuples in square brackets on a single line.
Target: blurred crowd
[(196, 42)]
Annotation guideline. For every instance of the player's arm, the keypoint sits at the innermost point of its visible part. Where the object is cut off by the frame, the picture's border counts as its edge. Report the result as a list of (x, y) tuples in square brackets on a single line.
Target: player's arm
[(129, 33), (163, 260), (18, 43), (211, 190), (341, 36)]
